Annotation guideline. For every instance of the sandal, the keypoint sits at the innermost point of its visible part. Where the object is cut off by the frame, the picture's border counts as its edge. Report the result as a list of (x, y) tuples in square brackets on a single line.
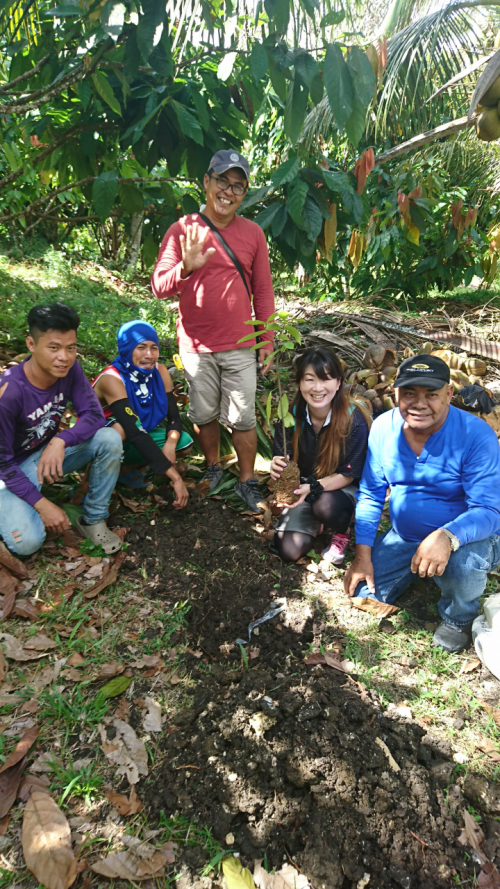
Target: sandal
[(100, 534)]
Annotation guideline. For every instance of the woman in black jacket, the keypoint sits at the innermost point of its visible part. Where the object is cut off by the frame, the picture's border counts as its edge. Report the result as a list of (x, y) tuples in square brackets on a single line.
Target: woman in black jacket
[(329, 443)]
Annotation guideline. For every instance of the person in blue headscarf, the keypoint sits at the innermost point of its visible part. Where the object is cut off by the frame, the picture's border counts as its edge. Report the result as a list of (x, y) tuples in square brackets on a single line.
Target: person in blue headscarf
[(136, 395)]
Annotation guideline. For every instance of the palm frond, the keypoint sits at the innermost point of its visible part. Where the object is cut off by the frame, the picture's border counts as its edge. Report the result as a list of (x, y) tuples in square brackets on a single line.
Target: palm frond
[(420, 59)]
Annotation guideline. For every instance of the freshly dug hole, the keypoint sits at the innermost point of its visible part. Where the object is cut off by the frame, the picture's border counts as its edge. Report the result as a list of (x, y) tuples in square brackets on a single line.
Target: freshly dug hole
[(286, 484)]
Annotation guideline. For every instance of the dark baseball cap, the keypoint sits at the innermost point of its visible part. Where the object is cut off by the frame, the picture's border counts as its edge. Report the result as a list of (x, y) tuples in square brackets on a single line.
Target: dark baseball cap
[(423, 370), (229, 160)]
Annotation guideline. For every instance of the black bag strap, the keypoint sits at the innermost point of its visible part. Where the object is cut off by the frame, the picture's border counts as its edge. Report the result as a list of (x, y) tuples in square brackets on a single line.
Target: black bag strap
[(234, 259)]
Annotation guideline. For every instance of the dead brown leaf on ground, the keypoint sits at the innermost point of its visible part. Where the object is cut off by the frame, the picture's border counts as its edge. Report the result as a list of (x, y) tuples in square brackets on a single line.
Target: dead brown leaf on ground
[(489, 878), (489, 748), (29, 783), (40, 642), (203, 487), (48, 675), (123, 710), (21, 749), (470, 666), (133, 505), (10, 780), (101, 585), (327, 658), (152, 719), (3, 666), (108, 671), (9, 601), (4, 823), (126, 751), (372, 606), (14, 565), (46, 840), (286, 878), (139, 861), (8, 583), (130, 806), (471, 835), (121, 532), (31, 706), (26, 609), (75, 660)]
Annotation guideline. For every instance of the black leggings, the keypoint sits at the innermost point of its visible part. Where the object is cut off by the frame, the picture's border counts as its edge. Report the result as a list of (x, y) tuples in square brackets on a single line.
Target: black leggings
[(333, 509)]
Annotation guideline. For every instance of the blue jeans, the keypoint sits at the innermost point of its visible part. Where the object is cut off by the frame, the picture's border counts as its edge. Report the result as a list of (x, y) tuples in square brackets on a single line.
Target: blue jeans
[(461, 585), (18, 518)]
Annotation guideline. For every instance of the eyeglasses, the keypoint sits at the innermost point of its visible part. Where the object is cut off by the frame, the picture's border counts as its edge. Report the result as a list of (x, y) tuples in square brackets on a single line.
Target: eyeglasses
[(223, 185)]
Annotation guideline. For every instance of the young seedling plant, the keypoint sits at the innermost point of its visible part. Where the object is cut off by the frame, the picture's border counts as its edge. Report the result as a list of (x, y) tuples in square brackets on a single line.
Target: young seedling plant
[(286, 338)]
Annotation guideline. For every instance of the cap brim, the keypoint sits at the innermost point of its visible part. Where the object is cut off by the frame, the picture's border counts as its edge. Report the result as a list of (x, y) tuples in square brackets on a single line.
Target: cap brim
[(223, 168), (420, 381)]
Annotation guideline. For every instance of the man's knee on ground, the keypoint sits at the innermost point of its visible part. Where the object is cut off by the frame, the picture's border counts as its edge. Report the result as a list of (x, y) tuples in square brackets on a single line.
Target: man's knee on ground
[(109, 441), (25, 543)]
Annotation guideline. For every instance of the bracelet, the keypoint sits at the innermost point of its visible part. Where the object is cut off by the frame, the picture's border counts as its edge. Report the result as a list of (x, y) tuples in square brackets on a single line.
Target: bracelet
[(316, 491)]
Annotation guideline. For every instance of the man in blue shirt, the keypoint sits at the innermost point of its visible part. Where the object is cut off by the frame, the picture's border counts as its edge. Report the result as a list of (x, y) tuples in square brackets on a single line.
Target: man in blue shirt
[(442, 466)]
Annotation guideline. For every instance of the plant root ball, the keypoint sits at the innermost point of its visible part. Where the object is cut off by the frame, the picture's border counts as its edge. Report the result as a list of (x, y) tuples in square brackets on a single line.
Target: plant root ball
[(285, 485), (488, 125)]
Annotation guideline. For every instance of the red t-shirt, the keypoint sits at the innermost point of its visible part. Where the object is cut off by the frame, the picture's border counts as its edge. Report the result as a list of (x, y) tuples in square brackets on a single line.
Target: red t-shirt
[(213, 302)]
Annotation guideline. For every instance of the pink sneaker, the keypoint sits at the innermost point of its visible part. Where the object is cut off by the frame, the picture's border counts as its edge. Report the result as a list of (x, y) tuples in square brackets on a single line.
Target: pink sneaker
[(336, 549)]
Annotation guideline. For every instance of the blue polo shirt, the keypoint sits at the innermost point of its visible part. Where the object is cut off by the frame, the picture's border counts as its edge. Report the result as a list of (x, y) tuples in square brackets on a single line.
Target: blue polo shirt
[(454, 483)]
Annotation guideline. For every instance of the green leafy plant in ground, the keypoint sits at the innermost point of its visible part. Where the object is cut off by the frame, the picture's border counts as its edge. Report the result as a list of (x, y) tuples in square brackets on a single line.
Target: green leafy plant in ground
[(70, 782), (73, 711)]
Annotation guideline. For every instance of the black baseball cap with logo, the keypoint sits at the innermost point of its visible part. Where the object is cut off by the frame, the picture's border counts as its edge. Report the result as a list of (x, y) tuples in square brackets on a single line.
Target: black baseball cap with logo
[(423, 370), (229, 160)]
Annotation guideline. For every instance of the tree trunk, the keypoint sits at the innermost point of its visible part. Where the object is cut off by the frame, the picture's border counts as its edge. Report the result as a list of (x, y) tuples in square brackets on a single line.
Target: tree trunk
[(134, 241), (441, 132)]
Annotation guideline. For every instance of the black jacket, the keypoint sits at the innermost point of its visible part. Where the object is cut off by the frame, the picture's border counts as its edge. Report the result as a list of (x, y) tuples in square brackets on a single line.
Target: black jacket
[(351, 461)]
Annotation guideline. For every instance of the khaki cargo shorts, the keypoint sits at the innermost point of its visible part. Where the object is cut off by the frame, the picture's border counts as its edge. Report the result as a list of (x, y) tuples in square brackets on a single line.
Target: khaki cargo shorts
[(223, 385)]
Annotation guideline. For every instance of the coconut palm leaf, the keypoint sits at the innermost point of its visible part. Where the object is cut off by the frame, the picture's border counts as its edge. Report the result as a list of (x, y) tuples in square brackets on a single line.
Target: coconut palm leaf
[(420, 59)]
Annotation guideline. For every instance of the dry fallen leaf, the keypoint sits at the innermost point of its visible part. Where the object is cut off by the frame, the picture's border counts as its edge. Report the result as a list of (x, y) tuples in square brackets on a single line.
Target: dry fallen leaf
[(123, 710), (126, 751), (3, 666), (75, 660), (98, 587), (31, 706), (40, 642), (16, 651), (495, 714), (152, 719), (286, 878), (21, 749), (108, 671), (14, 565), (125, 806), (128, 865), (379, 609), (489, 748), (43, 763), (49, 674), (469, 666), (10, 780), (29, 783), (8, 586), (134, 505), (489, 878), (472, 835), (46, 839), (326, 658)]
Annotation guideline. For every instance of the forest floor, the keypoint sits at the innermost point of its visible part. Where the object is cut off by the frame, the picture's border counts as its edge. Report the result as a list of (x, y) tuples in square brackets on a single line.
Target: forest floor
[(128, 675)]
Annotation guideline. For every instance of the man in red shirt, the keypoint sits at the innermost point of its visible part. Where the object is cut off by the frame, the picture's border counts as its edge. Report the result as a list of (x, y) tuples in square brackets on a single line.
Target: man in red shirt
[(214, 304)]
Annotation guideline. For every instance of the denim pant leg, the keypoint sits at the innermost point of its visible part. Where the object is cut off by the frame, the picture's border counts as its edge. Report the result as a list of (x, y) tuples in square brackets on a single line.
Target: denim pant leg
[(104, 449), (464, 580), (21, 527), (391, 558)]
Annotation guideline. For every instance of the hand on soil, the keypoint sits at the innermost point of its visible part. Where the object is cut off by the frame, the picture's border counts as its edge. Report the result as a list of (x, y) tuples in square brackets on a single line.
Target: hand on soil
[(181, 494)]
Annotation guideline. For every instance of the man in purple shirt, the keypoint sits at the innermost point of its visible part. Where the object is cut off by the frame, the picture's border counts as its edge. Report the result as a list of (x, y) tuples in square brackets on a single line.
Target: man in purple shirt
[(33, 398)]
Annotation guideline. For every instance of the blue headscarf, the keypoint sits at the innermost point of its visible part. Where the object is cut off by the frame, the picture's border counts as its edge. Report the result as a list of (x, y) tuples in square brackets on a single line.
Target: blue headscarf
[(145, 388)]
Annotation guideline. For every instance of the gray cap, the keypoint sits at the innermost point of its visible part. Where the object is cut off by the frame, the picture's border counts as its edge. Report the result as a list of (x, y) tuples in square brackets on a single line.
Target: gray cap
[(229, 160)]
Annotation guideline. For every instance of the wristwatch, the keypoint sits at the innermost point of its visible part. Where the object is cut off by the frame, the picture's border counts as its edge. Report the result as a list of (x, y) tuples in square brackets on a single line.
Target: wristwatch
[(455, 543)]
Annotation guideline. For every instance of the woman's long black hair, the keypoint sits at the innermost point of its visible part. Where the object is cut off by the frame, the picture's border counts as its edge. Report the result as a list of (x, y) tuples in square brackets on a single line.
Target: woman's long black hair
[(325, 364)]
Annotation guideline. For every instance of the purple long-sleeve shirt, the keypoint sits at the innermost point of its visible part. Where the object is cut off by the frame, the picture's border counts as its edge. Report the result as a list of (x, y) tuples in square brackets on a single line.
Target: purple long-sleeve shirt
[(29, 419)]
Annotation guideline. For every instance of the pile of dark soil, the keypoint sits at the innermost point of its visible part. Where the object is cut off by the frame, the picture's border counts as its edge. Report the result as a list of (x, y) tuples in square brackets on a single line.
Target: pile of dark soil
[(297, 762)]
